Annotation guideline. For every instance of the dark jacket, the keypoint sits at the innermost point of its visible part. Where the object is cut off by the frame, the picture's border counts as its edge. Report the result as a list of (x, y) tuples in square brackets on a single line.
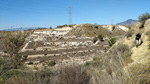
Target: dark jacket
[(138, 36)]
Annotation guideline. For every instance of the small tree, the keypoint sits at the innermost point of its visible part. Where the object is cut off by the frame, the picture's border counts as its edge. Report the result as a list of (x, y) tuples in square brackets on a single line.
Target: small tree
[(112, 41), (100, 37), (50, 28), (13, 42), (52, 63), (143, 18)]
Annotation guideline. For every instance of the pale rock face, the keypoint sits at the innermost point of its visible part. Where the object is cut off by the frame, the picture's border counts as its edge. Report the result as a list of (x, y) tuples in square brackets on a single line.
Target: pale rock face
[(137, 25), (123, 28), (70, 43), (43, 35), (147, 26), (110, 27), (147, 23)]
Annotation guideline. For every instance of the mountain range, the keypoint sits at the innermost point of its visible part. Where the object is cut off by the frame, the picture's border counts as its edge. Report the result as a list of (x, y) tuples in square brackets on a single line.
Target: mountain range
[(128, 22)]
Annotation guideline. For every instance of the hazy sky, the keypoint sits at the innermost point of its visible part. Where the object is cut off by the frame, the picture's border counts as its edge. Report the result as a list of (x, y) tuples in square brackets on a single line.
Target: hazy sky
[(51, 13)]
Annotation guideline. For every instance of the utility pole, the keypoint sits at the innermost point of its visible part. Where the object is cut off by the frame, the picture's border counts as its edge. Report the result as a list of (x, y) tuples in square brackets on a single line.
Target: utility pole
[(112, 22), (70, 18)]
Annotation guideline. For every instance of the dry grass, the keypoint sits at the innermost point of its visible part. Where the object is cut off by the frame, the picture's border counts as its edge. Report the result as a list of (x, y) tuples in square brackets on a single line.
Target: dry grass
[(140, 74), (73, 75), (109, 69), (129, 33)]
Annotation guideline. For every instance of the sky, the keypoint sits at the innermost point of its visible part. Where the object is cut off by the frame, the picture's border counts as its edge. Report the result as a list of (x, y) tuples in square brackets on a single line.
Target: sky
[(52, 13)]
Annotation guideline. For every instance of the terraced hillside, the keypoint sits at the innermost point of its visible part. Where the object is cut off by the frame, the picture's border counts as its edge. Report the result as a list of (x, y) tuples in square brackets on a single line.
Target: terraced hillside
[(67, 45)]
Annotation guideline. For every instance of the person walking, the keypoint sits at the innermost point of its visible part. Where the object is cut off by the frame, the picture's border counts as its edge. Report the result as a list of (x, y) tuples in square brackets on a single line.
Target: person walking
[(138, 39)]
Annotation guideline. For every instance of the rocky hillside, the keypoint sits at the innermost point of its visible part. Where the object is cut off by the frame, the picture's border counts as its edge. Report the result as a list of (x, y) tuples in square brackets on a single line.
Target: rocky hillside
[(66, 45)]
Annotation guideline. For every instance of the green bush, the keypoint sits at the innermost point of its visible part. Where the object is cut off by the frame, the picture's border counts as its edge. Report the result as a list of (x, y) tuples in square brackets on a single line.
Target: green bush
[(100, 37), (51, 63), (143, 18), (30, 63), (96, 59), (88, 63), (5, 51), (13, 42), (5, 65), (45, 54), (112, 41)]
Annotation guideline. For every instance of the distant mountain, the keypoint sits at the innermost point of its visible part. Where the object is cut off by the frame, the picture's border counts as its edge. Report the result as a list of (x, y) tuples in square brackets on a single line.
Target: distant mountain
[(129, 22), (18, 29)]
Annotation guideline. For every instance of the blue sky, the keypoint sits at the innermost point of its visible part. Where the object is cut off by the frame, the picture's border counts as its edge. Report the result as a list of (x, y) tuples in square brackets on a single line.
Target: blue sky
[(51, 13)]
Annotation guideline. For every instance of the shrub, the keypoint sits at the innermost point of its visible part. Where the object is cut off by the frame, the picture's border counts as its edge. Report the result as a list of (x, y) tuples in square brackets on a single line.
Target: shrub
[(46, 49), (123, 52), (30, 77), (30, 63), (143, 18), (100, 37), (96, 27), (112, 41), (88, 63), (5, 51), (51, 63), (45, 54), (5, 65), (96, 59), (41, 61), (73, 75), (13, 41), (95, 39)]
